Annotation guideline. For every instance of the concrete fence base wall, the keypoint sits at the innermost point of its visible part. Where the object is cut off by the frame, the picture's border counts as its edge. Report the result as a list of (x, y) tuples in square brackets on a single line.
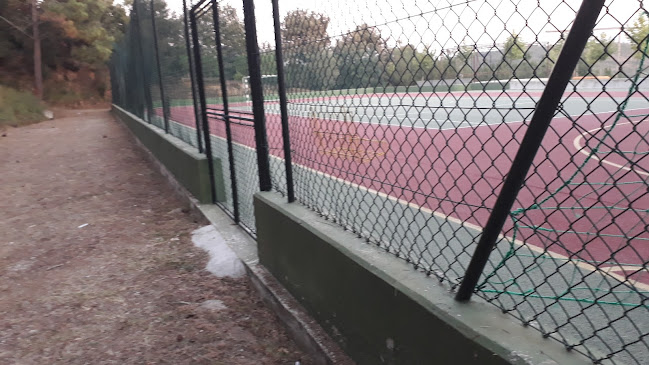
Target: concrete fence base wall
[(189, 167), (377, 307)]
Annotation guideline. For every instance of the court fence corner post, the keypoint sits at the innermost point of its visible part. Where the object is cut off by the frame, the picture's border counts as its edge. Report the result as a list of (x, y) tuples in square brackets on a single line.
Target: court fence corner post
[(558, 81), (226, 112), (192, 78), (256, 92), (156, 49), (201, 94), (281, 88)]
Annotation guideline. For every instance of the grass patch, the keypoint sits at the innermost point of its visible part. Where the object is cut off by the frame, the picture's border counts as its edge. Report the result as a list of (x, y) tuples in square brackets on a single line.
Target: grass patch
[(19, 108)]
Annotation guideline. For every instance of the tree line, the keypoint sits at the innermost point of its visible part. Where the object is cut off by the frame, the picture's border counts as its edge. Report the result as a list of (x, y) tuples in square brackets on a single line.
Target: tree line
[(362, 57), (77, 35), (65, 42)]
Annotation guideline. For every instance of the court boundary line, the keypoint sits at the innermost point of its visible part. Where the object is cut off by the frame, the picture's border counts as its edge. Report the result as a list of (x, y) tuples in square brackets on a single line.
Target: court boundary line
[(561, 116)]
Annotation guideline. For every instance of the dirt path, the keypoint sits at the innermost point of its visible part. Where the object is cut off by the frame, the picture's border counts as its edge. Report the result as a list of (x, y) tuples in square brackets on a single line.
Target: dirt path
[(97, 264)]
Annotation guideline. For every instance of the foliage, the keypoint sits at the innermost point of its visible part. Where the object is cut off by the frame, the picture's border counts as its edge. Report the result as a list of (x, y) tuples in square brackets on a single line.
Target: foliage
[(310, 64), (358, 55), (406, 65), (305, 30), (89, 28), (514, 48), (597, 49), (233, 43), (638, 34), (74, 35), (18, 107)]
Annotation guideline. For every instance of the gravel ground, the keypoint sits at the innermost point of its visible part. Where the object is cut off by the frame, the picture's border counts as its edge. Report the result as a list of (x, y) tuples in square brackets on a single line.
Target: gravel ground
[(97, 264)]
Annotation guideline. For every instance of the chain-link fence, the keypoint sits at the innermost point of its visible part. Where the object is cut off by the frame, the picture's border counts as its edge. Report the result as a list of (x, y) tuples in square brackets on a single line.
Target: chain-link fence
[(151, 73), (406, 121), (497, 146)]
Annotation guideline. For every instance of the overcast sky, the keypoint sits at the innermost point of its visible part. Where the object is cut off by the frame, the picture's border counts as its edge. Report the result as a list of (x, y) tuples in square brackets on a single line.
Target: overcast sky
[(443, 24)]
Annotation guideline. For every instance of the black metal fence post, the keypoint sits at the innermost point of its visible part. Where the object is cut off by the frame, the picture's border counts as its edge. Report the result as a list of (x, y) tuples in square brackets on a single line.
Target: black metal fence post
[(165, 107), (281, 88), (226, 110), (138, 69), (192, 75), (143, 71), (545, 109), (257, 94), (201, 95)]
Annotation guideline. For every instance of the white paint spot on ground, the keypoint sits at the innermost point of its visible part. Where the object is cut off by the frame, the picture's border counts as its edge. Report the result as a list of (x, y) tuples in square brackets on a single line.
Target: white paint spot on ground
[(223, 261), (213, 305), (21, 266)]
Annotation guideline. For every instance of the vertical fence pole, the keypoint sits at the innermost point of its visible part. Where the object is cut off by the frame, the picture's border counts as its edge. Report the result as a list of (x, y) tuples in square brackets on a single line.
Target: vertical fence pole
[(138, 69), (546, 107), (201, 95), (256, 91), (192, 75), (226, 110), (281, 88), (143, 69), (165, 109)]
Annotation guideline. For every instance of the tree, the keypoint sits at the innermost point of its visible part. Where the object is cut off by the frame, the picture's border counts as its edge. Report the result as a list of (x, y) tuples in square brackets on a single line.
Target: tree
[(233, 44), (455, 63), (309, 62), (171, 40), (73, 35), (89, 26), (638, 35), (406, 65), (514, 48), (359, 58), (553, 52), (7, 46), (462, 61), (513, 54), (267, 60), (597, 49), (301, 29), (38, 67)]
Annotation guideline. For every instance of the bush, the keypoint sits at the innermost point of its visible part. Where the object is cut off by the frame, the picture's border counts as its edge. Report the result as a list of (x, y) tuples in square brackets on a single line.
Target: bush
[(18, 107)]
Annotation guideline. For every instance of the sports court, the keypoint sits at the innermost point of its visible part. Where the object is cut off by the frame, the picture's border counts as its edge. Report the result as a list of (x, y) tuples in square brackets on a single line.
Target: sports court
[(447, 152)]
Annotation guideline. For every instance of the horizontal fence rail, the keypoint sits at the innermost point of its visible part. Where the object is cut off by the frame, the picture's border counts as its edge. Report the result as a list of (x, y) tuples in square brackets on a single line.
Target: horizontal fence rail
[(499, 147)]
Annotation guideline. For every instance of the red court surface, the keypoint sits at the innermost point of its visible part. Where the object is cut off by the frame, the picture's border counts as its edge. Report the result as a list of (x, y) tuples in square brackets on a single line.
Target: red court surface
[(458, 172)]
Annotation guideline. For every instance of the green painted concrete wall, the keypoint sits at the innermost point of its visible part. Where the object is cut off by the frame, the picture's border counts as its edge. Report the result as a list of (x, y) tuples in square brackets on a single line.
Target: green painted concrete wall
[(377, 307), (189, 167)]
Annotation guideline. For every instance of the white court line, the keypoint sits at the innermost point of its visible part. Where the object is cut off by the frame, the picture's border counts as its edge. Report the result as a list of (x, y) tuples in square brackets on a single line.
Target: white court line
[(453, 121), (577, 144), (557, 117), (582, 265)]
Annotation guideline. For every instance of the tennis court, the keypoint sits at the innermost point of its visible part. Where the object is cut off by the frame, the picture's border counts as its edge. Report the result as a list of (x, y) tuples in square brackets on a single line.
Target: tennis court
[(448, 152)]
